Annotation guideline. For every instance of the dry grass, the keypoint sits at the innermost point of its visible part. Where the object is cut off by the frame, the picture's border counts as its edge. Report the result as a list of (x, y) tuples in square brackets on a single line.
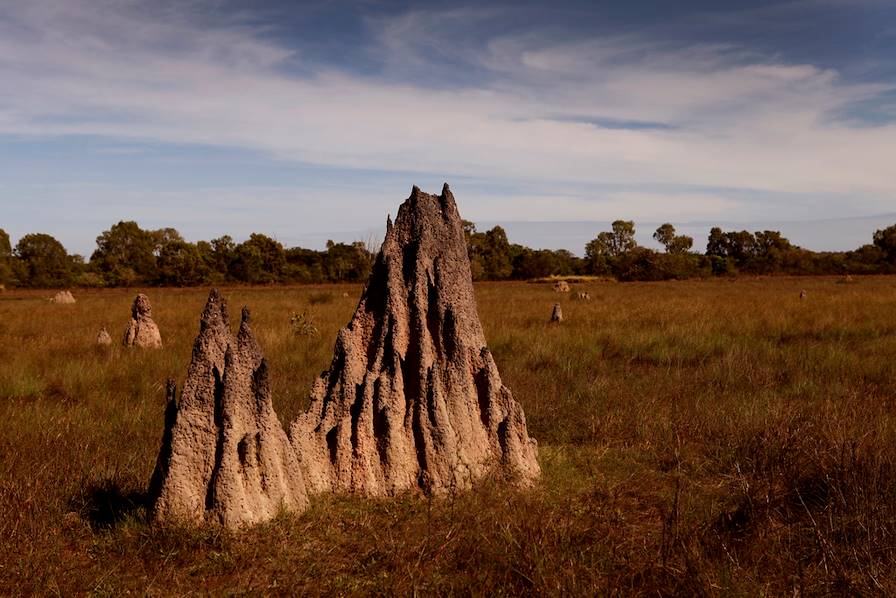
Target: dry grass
[(696, 438)]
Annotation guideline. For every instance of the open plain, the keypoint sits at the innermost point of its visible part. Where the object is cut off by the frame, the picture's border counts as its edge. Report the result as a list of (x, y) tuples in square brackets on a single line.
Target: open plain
[(695, 437)]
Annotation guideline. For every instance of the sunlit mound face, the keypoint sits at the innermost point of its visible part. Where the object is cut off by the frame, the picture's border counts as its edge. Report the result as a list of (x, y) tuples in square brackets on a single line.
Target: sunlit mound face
[(412, 401)]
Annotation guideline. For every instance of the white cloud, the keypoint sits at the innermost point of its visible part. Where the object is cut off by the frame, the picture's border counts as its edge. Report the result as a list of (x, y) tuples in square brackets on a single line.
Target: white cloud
[(602, 206), (739, 121)]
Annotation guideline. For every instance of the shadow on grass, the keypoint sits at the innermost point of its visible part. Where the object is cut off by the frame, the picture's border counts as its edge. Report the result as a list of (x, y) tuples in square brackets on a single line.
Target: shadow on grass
[(107, 503)]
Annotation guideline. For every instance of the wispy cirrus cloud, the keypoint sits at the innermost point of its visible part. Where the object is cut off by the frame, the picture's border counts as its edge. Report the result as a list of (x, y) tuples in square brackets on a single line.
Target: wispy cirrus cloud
[(526, 106)]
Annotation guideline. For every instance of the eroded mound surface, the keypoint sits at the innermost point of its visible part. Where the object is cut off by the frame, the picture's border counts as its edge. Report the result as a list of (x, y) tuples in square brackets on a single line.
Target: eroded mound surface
[(142, 330), (413, 398), (225, 457)]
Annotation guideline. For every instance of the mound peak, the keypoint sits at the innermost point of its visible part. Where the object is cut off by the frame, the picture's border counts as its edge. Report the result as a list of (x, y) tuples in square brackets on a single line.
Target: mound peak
[(225, 457), (413, 398)]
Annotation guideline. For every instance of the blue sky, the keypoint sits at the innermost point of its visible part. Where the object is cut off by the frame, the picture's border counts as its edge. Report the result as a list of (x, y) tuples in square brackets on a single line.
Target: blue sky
[(310, 121)]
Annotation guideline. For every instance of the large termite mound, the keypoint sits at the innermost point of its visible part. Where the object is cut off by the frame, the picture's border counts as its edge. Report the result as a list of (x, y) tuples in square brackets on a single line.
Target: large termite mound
[(142, 330), (413, 398), (225, 457)]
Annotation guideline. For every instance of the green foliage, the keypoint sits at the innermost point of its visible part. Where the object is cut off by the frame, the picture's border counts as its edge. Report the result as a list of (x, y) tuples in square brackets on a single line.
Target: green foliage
[(680, 244), (88, 279), (163, 237), (665, 236), (181, 264), (223, 252), (534, 263), (539, 263), (885, 240), (715, 244), (6, 259), (603, 252), (722, 266), (5, 247), (616, 252), (490, 254), (764, 252), (497, 254), (596, 259), (617, 241), (646, 264), (303, 325), (868, 257), (259, 260), (493, 257), (42, 261), (126, 254), (343, 262), (304, 265)]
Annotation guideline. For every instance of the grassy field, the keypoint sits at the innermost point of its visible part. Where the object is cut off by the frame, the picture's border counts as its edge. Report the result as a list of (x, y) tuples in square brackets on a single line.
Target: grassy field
[(696, 438)]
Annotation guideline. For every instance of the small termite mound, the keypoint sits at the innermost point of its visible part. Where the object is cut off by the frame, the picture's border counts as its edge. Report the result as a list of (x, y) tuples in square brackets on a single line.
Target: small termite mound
[(413, 400), (142, 330), (63, 298), (103, 338), (225, 458), (556, 314)]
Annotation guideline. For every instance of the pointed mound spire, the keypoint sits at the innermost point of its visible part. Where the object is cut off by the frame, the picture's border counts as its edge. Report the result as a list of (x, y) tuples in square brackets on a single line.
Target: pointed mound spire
[(412, 401), (225, 457), (215, 313), (413, 398)]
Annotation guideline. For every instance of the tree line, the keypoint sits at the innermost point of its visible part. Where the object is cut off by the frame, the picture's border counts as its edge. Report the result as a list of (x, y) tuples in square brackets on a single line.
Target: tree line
[(128, 255), (616, 253)]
